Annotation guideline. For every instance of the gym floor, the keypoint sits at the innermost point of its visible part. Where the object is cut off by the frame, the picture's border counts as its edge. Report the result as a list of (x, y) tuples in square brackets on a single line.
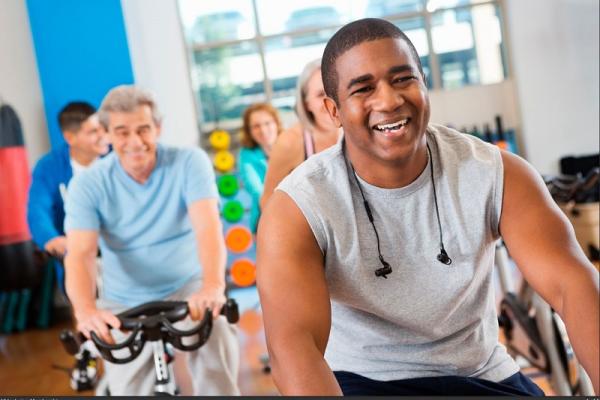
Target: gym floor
[(33, 362)]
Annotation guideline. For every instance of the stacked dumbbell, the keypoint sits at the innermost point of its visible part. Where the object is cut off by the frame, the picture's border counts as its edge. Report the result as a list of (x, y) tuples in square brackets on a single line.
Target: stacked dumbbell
[(238, 237)]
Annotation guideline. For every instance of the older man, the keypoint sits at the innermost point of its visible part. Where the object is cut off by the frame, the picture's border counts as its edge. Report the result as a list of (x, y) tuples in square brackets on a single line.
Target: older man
[(154, 210), (385, 243)]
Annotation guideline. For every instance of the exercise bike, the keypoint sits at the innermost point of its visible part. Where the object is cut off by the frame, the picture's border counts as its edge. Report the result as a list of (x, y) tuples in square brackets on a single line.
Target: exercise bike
[(532, 329), (150, 322)]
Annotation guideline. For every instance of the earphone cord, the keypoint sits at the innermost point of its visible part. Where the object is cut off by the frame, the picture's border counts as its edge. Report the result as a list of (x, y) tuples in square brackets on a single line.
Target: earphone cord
[(443, 256), (437, 212), (370, 215)]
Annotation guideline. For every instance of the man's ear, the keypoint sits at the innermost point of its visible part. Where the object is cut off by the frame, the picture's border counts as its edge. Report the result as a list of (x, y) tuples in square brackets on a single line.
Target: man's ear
[(69, 137), (332, 109), (158, 128)]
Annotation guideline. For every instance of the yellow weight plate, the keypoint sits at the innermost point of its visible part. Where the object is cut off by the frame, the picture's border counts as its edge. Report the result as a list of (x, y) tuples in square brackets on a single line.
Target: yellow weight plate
[(224, 161), (219, 140)]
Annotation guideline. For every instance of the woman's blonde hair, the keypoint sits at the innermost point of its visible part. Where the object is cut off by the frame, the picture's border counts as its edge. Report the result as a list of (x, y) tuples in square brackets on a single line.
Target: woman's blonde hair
[(246, 139), (306, 118)]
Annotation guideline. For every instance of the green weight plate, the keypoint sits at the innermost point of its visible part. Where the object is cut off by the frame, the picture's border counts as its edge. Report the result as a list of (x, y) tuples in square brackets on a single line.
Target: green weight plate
[(233, 211), (227, 185)]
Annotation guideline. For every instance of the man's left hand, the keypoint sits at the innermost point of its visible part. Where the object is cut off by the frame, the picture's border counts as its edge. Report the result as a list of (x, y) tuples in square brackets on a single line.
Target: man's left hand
[(210, 296)]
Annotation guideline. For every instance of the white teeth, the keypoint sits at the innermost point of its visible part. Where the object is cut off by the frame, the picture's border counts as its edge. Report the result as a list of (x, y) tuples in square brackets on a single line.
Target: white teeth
[(393, 126)]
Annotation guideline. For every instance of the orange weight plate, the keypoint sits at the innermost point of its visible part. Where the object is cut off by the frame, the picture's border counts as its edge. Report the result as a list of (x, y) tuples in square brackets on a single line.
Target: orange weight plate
[(243, 272), (238, 239)]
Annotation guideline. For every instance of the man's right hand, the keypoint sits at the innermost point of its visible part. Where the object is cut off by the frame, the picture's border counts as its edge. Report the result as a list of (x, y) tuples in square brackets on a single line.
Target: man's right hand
[(98, 321), (57, 246)]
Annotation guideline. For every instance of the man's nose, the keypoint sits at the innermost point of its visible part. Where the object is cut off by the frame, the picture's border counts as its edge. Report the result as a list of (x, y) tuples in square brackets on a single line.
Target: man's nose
[(102, 139), (387, 98), (101, 135), (134, 140)]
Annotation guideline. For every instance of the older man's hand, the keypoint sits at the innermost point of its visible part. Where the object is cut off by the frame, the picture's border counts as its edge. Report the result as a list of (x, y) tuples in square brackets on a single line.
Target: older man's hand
[(210, 296)]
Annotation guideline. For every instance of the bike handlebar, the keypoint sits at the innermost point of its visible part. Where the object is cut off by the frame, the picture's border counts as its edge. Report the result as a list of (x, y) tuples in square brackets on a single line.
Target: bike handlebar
[(150, 322)]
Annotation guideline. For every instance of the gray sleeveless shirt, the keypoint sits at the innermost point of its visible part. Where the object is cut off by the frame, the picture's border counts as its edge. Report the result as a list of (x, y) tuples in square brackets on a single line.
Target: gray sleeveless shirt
[(426, 319)]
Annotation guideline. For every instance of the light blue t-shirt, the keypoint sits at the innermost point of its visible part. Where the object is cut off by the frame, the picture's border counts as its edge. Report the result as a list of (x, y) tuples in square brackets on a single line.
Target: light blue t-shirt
[(146, 237)]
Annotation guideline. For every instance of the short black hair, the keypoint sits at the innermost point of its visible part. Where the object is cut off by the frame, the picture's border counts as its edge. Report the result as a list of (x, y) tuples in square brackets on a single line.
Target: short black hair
[(74, 114), (352, 34)]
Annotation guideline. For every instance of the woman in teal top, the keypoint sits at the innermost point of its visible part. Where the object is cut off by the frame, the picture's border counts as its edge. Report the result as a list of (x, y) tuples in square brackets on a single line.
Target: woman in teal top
[(259, 131)]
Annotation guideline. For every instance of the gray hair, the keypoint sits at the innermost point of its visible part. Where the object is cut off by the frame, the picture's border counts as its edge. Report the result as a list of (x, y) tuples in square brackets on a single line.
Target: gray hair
[(307, 119), (127, 98)]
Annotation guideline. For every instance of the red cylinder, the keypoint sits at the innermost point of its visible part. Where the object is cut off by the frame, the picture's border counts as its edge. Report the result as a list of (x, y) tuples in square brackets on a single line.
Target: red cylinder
[(14, 185)]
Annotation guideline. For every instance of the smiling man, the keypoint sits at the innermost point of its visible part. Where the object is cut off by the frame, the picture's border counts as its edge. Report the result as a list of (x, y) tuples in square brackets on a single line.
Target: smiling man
[(385, 244), (154, 210), (85, 142)]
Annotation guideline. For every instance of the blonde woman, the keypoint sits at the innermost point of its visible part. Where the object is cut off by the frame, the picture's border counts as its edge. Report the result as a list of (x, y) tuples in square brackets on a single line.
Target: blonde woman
[(314, 132)]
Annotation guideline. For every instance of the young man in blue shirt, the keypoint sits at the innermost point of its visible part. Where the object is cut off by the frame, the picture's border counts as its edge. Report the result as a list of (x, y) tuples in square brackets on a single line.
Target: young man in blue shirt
[(154, 211), (85, 142)]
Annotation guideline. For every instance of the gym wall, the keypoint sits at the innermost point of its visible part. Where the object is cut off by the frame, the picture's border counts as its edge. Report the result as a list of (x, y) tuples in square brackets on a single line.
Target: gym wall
[(19, 79), (81, 52)]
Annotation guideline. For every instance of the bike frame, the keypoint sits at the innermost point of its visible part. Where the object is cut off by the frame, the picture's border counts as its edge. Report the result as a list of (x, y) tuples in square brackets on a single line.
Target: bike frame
[(536, 332)]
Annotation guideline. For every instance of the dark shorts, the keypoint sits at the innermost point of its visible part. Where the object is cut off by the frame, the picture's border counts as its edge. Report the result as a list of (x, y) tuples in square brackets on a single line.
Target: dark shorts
[(515, 385)]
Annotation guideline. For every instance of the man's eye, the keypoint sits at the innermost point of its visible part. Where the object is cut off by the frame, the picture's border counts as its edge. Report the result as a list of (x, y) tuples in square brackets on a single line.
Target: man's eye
[(403, 79), (363, 89)]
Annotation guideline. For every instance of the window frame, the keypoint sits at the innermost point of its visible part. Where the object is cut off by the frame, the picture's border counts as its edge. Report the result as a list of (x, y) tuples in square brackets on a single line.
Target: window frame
[(434, 63)]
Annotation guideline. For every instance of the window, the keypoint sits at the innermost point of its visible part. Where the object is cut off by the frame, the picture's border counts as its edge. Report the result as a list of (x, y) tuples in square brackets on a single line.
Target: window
[(227, 79), (241, 53), (468, 44), (281, 55)]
